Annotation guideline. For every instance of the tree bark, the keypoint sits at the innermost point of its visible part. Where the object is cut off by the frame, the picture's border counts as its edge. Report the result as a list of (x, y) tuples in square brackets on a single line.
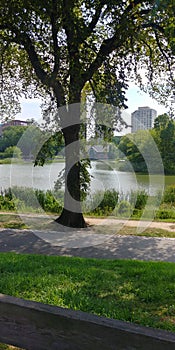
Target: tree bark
[(71, 219), (71, 215)]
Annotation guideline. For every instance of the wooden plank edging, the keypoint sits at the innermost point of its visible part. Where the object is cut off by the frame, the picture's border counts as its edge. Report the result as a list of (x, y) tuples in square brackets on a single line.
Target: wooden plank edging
[(36, 326)]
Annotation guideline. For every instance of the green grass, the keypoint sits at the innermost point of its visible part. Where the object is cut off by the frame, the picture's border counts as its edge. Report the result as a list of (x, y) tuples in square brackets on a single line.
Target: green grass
[(135, 291), (11, 160), (149, 232), (11, 221), (127, 230)]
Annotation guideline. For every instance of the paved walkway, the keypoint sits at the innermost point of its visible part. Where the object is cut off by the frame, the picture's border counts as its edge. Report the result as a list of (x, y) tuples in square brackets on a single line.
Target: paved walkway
[(86, 243)]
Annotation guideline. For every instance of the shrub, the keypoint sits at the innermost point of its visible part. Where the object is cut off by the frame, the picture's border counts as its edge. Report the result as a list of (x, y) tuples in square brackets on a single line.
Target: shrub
[(137, 213), (138, 199), (106, 202), (169, 194), (101, 203), (49, 203), (6, 203), (110, 199), (164, 214), (25, 195), (12, 151), (124, 208), (26, 198)]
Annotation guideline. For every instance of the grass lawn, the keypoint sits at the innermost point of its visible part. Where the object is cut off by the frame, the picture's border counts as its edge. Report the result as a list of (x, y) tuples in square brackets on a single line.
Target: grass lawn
[(11, 220), (135, 291), (127, 230)]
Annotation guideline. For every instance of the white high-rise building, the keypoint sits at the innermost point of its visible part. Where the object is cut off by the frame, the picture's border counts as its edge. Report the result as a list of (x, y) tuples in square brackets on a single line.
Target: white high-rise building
[(143, 119)]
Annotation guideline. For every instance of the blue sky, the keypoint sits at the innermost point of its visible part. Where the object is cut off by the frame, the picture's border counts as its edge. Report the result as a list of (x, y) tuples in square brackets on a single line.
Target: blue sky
[(136, 98)]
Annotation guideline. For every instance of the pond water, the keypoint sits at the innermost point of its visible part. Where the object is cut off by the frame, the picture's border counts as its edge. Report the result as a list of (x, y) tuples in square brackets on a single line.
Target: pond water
[(104, 176)]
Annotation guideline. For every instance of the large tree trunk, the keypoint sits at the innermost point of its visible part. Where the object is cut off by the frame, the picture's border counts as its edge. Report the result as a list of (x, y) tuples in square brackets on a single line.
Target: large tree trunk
[(71, 215), (71, 219)]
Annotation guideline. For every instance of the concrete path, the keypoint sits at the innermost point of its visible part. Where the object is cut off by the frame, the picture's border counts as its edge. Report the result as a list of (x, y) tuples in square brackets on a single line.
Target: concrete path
[(87, 244)]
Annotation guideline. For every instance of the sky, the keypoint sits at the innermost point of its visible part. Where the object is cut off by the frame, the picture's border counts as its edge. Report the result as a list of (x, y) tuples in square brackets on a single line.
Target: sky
[(136, 98)]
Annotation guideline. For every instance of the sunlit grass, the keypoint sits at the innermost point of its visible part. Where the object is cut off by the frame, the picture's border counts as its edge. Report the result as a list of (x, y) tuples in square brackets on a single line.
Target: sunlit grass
[(135, 291)]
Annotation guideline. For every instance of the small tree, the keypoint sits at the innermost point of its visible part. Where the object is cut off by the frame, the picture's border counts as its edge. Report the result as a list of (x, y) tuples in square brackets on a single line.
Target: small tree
[(12, 151)]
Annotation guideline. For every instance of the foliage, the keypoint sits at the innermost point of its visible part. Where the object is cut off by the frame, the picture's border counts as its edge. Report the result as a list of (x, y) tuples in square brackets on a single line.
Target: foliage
[(133, 148), (48, 202), (136, 147), (12, 151), (99, 204), (85, 178), (102, 203), (52, 147), (26, 138), (169, 194), (8, 347), (161, 122), (164, 136), (6, 201), (110, 199), (31, 141), (163, 214), (11, 135), (26, 199), (111, 202), (82, 49), (124, 208), (138, 199)]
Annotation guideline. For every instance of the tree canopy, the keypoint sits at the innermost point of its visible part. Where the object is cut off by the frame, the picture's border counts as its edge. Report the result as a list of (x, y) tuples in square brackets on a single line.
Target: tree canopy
[(60, 45), (55, 47)]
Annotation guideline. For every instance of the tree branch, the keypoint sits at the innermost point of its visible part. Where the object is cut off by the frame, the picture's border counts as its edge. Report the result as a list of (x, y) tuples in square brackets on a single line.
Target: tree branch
[(164, 55), (153, 26), (40, 72), (115, 42), (92, 87), (95, 19), (55, 40), (24, 40), (106, 48)]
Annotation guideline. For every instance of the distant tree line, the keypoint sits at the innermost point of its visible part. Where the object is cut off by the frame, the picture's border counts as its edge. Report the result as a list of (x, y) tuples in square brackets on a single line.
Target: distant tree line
[(28, 142), (163, 133)]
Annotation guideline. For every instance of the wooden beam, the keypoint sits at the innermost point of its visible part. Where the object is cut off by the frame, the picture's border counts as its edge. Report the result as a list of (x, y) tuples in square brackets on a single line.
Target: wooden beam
[(36, 326)]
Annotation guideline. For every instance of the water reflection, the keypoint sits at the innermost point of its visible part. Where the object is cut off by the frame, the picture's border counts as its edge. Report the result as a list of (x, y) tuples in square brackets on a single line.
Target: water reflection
[(104, 176)]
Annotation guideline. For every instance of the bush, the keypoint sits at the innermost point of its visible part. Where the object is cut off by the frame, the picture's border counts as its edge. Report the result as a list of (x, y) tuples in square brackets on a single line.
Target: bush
[(110, 199), (107, 201), (25, 198), (6, 204), (124, 208), (101, 203), (137, 213), (12, 151), (25, 195), (164, 214), (48, 202), (169, 194), (6, 200), (138, 199)]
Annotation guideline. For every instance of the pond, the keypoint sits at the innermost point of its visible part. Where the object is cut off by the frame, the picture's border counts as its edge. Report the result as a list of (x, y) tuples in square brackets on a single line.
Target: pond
[(104, 176)]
